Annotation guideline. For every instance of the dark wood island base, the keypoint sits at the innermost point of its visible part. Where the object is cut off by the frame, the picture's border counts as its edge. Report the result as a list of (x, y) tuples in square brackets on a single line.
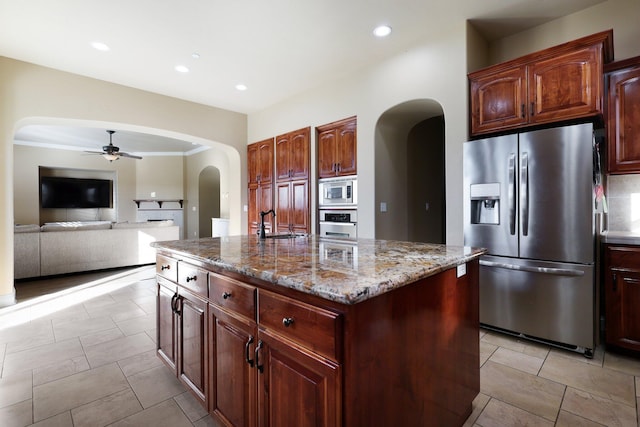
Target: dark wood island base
[(273, 334)]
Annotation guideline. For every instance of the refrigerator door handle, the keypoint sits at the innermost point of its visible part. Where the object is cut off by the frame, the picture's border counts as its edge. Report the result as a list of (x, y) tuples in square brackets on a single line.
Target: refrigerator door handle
[(512, 193), (524, 192), (531, 269)]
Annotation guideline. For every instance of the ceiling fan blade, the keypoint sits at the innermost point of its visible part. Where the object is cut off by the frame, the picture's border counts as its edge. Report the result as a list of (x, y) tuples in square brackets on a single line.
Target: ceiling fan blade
[(128, 155), (95, 152)]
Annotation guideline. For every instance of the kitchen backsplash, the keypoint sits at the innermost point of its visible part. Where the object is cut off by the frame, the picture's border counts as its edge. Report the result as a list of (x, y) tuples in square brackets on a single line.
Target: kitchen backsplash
[(623, 198)]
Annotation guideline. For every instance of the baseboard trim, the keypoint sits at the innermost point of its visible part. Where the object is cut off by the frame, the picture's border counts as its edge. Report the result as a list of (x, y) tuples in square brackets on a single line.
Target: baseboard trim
[(8, 300)]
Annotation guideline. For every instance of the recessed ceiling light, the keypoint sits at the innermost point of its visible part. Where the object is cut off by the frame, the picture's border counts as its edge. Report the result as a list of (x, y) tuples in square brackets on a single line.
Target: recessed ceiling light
[(100, 46), (182, 69), (382, 31), (240, 86), (195, 55)]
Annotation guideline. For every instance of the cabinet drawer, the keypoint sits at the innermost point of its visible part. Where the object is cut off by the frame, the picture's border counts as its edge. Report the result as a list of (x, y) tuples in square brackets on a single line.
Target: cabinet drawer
[(193, 278), (167, 267), (626, 257), (313, 327), (233, 295)]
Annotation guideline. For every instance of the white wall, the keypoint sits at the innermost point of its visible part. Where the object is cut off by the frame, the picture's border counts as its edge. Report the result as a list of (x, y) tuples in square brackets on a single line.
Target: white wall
[(436, 70), (30, 94)]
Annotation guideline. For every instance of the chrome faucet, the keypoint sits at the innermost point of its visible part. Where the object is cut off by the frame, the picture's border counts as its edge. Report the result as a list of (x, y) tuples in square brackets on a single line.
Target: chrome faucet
[(262, 215)]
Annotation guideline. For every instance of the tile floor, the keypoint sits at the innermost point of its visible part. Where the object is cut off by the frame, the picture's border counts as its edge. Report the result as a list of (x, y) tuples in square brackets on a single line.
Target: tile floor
[(80, 351)]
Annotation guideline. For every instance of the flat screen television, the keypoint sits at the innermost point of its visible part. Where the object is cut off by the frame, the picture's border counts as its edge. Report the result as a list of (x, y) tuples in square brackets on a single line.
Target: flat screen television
[(75, 193)]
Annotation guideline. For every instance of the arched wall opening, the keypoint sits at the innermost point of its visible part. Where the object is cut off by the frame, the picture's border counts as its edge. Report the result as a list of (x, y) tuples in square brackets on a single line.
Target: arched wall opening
[(410, 196), (209, 198)]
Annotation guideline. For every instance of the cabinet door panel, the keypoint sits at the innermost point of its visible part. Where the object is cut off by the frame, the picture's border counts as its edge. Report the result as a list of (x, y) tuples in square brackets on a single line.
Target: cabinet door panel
[(296, 388), (192, 343), (299, 154), (566, 86), (327, 141), (299, 217), (166, 320), (622, 296), (234, 379), (283, 207), (498, 100), (283, 151), (346, 149), (266, 161), (624, 120)]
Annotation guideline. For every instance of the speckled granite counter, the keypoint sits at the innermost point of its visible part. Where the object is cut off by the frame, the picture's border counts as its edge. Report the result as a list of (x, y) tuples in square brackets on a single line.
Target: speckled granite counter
[(343, 272)]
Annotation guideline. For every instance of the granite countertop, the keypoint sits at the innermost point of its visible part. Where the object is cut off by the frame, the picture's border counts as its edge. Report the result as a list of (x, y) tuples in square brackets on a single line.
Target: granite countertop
[(343, 271), (620, 237)]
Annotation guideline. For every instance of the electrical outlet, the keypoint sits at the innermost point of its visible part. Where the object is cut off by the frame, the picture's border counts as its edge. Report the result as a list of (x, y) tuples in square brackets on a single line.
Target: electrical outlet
[(383, 206)]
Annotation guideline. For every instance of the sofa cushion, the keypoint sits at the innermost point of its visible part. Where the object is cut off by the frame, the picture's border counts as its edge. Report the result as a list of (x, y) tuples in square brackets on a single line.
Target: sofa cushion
[(76, 225), (26, 228), (143, 224)]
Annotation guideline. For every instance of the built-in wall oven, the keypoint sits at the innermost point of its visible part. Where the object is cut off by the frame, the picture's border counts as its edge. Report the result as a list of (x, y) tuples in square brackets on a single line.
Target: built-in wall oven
[(339, 223), (337, 207)]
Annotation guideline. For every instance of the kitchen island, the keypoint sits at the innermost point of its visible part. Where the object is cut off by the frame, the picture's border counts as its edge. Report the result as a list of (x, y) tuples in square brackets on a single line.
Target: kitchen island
[(307, 331)]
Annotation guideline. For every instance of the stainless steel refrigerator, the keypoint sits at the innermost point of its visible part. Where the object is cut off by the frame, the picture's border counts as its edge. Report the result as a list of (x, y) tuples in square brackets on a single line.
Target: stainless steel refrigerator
[(528, 199)]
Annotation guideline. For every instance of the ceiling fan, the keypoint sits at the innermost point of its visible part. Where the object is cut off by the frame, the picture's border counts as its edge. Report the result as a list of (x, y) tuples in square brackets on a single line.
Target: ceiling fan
[(111, 152)]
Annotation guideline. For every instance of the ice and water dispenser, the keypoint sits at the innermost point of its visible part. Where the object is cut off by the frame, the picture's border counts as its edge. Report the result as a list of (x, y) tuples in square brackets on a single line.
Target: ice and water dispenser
[(485, 203)]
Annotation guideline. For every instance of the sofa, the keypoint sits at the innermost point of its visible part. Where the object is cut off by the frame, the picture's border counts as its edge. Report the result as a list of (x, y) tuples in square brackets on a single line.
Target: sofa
[(71, 247)]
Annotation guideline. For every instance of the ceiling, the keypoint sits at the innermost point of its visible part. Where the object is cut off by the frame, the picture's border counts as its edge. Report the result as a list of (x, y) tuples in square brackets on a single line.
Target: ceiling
[(277, 48)]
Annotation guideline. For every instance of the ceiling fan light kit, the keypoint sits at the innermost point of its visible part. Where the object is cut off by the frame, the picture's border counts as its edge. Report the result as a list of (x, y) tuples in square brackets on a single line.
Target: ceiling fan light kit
[(111, 152)]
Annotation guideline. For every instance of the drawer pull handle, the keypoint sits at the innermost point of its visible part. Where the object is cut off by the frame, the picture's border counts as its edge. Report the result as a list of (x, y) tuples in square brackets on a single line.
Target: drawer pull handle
[(226, 295), (194, 278), (246, 351), (165, 267), (257, 357), (287, 321)]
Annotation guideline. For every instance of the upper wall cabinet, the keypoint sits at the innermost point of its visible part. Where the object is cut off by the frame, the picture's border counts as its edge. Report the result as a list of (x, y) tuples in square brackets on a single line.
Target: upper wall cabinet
[(623, 115), (337, 148), (564, 82), (292, 155), (260, 161)]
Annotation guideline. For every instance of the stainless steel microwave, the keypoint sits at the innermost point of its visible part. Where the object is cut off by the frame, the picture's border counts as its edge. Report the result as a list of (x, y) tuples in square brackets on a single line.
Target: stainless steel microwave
[(338, 192)]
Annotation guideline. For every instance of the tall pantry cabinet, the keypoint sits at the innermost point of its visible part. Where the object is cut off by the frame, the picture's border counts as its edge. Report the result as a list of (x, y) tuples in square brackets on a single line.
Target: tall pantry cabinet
[(260, 197)]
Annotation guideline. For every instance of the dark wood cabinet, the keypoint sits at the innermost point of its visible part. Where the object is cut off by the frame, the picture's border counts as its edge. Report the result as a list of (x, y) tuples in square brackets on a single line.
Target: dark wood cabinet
[(561, 83), (293, 207), (293, 212), (292, 155), (276, 357), (264, 373), (622, 296), (181, 334), (297, 388), (260, 188), (623, 115), (337, 148)]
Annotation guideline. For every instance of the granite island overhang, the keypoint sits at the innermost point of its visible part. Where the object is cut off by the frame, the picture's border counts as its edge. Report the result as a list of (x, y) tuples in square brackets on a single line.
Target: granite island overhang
[(371, 332)]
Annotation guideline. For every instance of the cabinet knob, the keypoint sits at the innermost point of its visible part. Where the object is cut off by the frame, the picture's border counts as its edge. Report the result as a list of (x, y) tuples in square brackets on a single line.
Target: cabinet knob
[(193, 278), (287, 321), (165, 267), (226, 295)]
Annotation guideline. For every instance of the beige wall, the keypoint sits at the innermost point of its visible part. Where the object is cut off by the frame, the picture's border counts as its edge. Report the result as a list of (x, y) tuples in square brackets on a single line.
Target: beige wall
[(30, 94), (161, 175), (433, 70)]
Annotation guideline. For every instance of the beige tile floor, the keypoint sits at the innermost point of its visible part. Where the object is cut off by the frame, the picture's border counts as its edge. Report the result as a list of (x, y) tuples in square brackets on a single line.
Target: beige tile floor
[(80, 351)]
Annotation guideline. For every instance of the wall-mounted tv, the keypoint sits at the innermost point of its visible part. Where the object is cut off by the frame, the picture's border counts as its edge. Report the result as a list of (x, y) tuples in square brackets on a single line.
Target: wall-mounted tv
[(75, 193)]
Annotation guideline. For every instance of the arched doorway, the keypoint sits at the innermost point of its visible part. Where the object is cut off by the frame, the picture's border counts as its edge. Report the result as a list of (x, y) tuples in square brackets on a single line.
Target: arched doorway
[(209, 198), (410, 173)]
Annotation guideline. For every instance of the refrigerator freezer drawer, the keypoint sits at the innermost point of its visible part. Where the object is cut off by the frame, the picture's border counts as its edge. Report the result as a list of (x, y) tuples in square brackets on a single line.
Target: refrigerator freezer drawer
[(552, 301)]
